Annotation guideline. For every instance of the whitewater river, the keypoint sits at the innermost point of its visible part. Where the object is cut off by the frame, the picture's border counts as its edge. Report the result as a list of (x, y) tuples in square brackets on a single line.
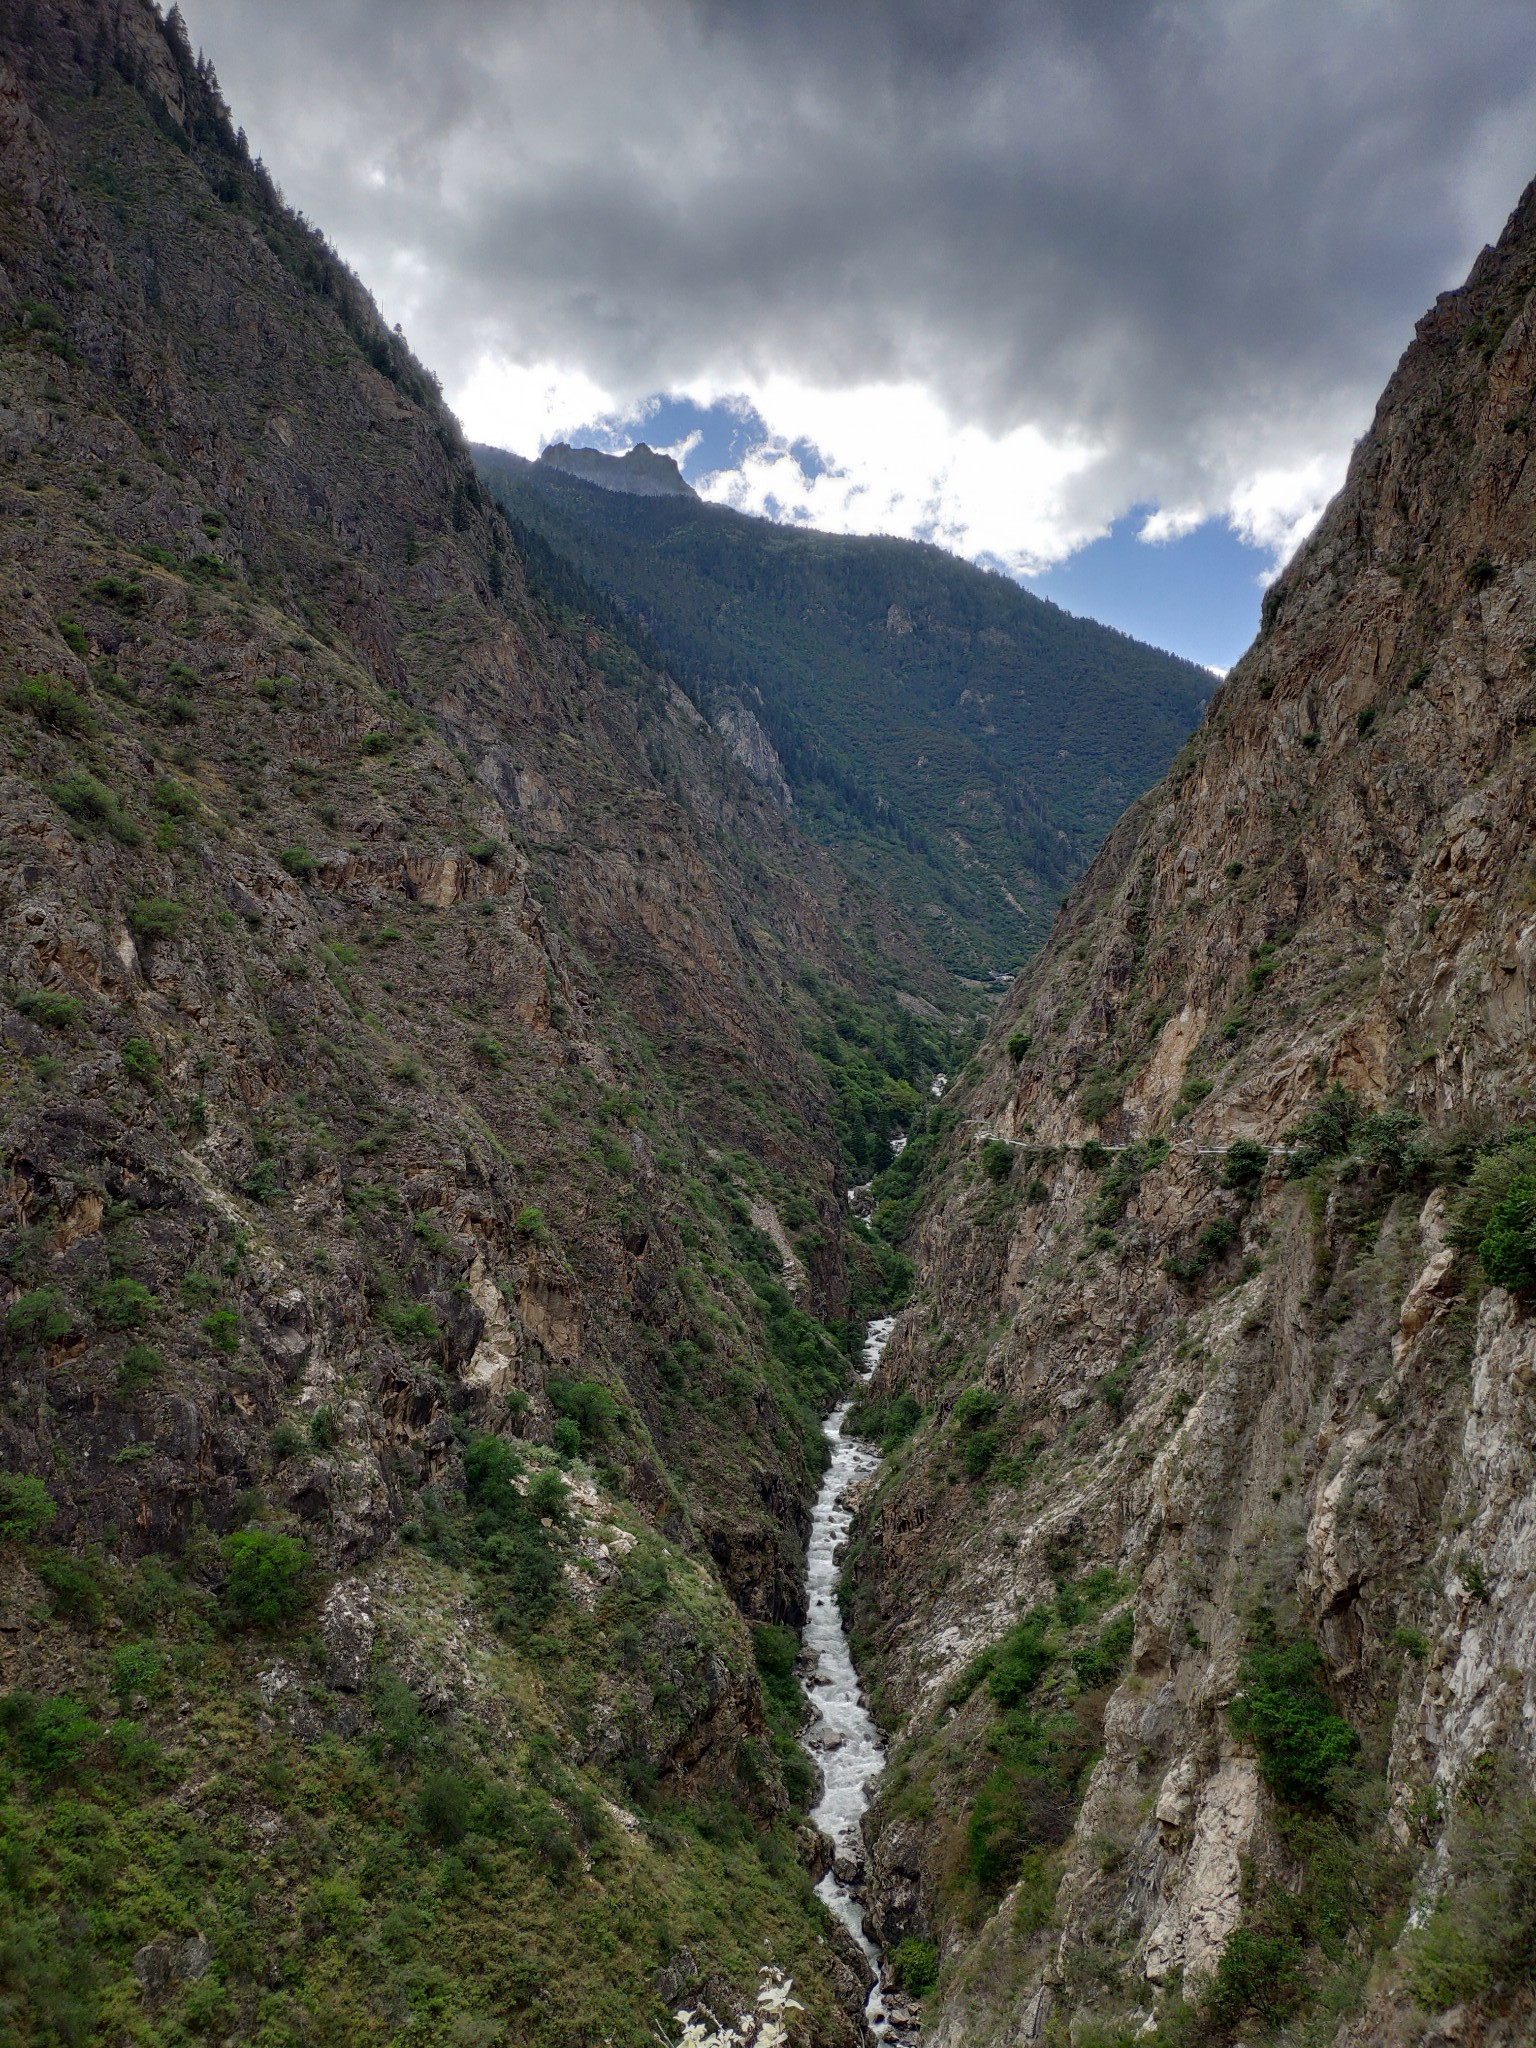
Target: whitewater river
[(842, 1739)]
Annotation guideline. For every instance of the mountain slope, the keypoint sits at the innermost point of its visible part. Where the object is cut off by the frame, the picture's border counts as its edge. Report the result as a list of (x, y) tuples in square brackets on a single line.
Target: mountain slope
[(424, 1247), (1200, 1592), (961, 743)]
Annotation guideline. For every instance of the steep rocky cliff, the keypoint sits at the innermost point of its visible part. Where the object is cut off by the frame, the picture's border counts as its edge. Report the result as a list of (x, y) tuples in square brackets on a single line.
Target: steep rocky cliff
[(1199, 1586), (421, 1220)]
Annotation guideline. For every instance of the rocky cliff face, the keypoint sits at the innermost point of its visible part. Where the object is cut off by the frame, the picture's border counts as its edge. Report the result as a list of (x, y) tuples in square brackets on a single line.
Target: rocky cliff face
[(404, 1416), (1255, 1393), (639, 471)]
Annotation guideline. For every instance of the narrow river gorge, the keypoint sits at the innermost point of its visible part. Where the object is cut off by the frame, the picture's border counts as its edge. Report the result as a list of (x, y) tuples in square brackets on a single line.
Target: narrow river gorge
[(842, 1738)]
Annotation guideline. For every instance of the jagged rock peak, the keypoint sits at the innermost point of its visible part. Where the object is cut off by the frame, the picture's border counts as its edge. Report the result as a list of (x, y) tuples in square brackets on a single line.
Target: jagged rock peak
[(641, 472)]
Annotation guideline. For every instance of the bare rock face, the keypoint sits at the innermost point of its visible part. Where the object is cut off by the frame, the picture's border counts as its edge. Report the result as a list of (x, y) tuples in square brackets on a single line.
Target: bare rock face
[(742, 732), (1267, 1389), (347, 1630), (640, 471)]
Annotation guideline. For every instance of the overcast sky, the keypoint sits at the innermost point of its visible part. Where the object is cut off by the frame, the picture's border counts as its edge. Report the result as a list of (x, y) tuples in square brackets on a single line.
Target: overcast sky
[(999, 272)]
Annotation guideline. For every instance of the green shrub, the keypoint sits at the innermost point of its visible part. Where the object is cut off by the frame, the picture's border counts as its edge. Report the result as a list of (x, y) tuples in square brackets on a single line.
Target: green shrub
[(26, 1506), (485, 1047), (1495, 1215), (915, 1966), (1100, 1664), (976, 1407), (1245, 1164), (299, 862), (222, 1329), (1506, 1250), (51, 1735), (126, 592), (286, 1441), (978, 1451), (262, 1182), (443, 1807), (411, 1321), (133, 1752), (38, 1317), (46, 1006), (1020, 1660), (1019, 1044), (1258, 1975), (72, 633), (567, 1438), (588, 1404), (91, 803), (1283, 1710), (1480, 572), (530, 1224), (1017, 1809), (322, 1429), (889, 1423), (123, 1304), (156, 917), (139, 1668), (1115, 1385), (1479, 1944), (1193, 1093), (1098, 1098), (141, 1367), (268, 1578), (485, 851), (1214, 1241), (996, 1159), (76, 1594), (140, 1061), (174, 799), (514, 1548), (548, 1495), (52, 703)]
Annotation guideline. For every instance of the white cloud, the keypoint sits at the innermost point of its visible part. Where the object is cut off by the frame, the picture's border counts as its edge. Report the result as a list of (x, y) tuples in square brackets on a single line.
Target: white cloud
[(1015, 267), (525, 406), (888, 458)]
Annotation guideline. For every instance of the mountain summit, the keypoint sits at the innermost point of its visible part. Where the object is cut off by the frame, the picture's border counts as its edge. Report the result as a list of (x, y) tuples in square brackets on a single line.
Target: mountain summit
[(640, 472)]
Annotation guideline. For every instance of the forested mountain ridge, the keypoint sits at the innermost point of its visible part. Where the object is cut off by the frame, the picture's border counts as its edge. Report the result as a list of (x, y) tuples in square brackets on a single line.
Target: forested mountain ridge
[(425, 1053), (963, 744), (1199, 1588)]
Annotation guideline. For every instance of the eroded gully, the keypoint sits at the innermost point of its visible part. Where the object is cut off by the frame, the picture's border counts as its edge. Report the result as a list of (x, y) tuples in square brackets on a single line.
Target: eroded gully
[(842, 1738)]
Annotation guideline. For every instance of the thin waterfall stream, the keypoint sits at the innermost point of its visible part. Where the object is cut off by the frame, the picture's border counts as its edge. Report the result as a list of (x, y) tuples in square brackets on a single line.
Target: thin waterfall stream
[(842, 1738)]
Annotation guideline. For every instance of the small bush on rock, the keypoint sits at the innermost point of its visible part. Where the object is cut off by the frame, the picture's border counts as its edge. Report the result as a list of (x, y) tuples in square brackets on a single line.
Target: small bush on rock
[(268, 1580), (1283, 1710), (26, 1506)]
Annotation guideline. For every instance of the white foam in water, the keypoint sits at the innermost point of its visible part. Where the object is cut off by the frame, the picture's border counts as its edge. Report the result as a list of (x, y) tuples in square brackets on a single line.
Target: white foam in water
[(842, 1738)]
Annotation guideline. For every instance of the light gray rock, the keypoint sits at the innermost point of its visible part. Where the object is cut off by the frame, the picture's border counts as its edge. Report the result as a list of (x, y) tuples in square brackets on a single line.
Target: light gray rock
[(347, 1629)]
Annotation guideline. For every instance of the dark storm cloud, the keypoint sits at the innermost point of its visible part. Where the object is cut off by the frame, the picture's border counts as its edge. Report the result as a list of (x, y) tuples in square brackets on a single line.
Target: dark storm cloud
[(1193, 233)]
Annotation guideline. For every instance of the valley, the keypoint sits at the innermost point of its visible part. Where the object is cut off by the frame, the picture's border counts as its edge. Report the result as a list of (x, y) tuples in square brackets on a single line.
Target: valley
[(733, 1264)]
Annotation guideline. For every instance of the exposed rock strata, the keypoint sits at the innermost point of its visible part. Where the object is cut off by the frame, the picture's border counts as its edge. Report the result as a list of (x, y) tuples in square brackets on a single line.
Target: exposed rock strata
[(1337, 885)]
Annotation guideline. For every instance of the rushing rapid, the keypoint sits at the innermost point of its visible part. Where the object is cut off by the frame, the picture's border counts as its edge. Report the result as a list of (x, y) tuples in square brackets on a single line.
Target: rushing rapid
[(842, 1738)]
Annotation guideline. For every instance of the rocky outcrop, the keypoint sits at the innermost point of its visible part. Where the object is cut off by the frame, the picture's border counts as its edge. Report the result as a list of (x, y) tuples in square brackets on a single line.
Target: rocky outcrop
[(1260, 1386), (640, 471), (742, 733)]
